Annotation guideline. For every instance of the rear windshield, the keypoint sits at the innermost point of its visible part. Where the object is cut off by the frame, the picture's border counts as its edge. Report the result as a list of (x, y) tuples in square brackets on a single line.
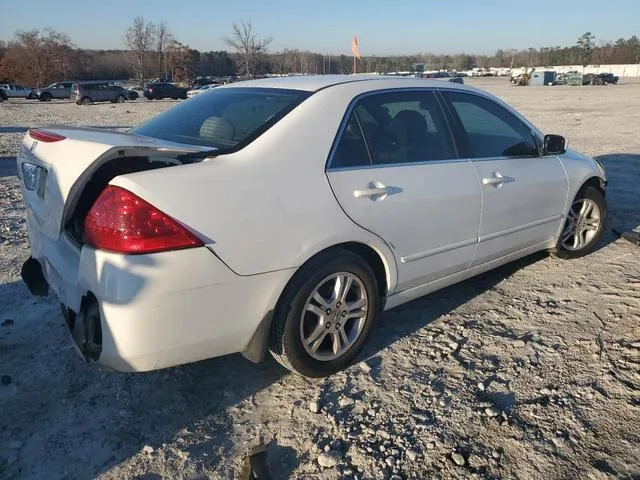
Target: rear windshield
[(225, 118)]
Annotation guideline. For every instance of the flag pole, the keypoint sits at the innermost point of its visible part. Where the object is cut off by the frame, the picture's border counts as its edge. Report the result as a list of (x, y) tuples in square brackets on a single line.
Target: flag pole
[(354, 64)]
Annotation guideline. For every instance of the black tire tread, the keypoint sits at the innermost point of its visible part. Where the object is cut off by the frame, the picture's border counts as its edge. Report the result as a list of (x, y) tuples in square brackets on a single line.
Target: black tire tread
[(292, 290), (596, 195)]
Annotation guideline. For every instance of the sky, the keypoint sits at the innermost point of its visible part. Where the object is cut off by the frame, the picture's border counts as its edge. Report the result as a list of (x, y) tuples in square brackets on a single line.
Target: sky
[(383, 27)]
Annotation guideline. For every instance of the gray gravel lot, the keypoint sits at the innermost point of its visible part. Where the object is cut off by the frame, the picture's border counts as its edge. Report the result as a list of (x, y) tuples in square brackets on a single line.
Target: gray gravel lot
[(529, 371)]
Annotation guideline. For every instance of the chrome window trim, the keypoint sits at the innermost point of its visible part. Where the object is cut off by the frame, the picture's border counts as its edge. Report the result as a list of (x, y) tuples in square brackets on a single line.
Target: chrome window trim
[(520, 157), (347, 115), (403, 164)]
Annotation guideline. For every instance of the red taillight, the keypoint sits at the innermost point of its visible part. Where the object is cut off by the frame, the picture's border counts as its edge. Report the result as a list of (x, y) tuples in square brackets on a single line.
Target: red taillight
[(45, 135), (122, 222)]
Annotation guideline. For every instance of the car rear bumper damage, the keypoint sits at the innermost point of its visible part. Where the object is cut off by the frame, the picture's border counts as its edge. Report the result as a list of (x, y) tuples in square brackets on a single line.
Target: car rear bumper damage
[(146, 312)]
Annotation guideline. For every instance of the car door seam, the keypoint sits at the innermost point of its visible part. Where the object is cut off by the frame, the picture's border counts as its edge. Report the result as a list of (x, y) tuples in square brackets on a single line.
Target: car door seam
[(567, 200), (475, 251), (391, 248)]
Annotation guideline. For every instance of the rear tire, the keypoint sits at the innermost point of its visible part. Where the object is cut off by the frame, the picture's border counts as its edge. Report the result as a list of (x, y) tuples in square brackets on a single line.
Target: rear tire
[(315, 332), (45, 97), (584, 226)]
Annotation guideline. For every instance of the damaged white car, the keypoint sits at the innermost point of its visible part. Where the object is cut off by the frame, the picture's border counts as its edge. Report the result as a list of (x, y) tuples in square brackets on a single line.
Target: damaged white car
[(284, 214)]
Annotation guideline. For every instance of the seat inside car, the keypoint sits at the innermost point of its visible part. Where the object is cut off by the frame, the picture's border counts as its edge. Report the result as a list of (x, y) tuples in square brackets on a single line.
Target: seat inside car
[(218, 130)]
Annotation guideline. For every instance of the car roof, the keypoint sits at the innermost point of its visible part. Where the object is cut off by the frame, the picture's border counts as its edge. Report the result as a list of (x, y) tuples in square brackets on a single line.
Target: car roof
[(313, 83)]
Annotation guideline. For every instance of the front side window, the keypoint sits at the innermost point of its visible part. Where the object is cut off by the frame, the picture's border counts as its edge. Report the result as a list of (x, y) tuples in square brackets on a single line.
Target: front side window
[(490, 130), (227, 119), (404, 127)]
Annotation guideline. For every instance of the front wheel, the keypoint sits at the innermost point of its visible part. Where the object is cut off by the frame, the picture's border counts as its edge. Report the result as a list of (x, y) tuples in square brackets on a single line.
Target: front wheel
[(120, 99), (584, 225), (86, 101), (325, 314)]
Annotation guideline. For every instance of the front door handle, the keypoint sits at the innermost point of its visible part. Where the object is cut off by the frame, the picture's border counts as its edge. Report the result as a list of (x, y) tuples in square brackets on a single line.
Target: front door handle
[(376, 191), (497, 180)]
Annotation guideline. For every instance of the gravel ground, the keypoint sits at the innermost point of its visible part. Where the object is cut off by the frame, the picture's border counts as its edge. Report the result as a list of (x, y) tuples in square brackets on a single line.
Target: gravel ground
[(529, 371)]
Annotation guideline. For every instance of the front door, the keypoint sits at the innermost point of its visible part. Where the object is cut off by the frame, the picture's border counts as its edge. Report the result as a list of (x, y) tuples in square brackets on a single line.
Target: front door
[(396, 172), (523, 193)]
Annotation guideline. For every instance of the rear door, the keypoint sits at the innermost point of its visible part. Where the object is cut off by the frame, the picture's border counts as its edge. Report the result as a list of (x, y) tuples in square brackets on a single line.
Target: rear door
[(395, 171), (523, 193)]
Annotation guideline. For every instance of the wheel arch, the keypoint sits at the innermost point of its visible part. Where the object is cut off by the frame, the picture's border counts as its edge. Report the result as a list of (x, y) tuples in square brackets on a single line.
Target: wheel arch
[(256, 348), (595, 182)]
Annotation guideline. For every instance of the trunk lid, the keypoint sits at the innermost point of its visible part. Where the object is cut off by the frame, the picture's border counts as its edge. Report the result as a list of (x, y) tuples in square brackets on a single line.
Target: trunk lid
[(62, 167)]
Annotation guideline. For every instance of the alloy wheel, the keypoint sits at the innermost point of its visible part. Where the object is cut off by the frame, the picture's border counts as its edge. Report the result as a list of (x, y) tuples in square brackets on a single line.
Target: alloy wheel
[(334, 316), (583, 223)]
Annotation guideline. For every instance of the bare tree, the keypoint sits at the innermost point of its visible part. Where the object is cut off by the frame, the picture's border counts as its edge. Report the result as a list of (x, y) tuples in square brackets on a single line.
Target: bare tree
[(38, 58), (245, 41), (163, 40), (139, 39)]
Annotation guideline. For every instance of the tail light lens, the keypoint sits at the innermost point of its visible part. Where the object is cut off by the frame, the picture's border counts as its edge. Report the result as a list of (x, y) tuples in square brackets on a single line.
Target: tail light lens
[(45, 135), (122, 222)]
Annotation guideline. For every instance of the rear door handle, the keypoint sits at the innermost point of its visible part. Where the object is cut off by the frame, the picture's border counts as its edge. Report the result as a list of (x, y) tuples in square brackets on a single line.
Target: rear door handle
[(376, 191), (497, 180)]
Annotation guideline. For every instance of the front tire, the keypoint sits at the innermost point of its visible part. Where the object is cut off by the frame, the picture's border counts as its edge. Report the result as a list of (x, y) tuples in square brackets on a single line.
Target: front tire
[(120, 99), (584, 225), (325, 314), (86, 101)]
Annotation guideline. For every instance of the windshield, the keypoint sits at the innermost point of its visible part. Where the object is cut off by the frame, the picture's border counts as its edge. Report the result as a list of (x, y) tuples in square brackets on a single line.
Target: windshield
[(226, 119)]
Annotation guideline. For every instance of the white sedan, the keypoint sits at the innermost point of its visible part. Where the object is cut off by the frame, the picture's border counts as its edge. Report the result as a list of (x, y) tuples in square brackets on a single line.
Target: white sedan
[(283, 215)]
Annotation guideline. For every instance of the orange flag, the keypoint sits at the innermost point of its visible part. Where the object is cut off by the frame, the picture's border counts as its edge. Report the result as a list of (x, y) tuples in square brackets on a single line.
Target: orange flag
[(354, 47)]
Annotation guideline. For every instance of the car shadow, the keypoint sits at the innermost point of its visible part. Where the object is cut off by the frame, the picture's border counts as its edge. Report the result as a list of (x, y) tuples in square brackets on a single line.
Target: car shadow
[(8, 167), (13, 129), (623, 175)]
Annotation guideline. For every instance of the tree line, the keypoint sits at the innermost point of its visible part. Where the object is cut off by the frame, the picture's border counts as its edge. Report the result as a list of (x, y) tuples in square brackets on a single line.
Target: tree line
[(37, 58)]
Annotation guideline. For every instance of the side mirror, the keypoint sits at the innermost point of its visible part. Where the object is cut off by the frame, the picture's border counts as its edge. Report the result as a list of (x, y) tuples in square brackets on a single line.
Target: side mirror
[(554, 145)]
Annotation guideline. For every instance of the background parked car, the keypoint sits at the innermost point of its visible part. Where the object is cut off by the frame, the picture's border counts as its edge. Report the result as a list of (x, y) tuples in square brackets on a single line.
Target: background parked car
[(204, 88), (137, 89), (608, 78), (16, 91), (131, 94), (3, 96), (90, 92), (55, 90), (561, 79), (158, 91)]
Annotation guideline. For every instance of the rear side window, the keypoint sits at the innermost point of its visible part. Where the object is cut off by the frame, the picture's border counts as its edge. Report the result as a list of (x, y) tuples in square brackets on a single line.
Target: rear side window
[(227, 119), (405, 127), (351, 150), (491, 130)]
